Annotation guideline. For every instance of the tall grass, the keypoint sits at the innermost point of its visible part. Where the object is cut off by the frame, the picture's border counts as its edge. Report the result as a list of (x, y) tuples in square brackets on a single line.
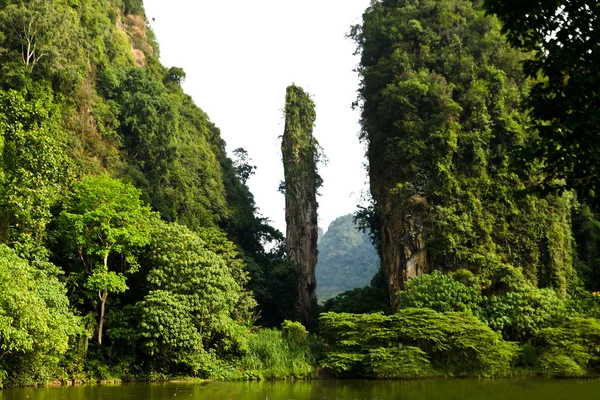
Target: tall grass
[(273, 356)]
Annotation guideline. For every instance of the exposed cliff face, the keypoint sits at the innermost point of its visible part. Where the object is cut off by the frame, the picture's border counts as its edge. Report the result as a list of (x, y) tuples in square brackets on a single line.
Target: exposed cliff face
[(403, 251), (300, 155)]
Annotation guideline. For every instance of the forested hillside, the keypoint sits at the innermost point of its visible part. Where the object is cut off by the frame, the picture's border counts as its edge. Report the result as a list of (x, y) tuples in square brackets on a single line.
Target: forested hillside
[(122, 220), (347, 259)]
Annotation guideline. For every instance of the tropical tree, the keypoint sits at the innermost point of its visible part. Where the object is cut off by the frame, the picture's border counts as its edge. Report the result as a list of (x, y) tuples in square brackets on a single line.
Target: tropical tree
[(34, 163), (38, 30), (103, 216), (564, 38), (196, 310), (36, 322)]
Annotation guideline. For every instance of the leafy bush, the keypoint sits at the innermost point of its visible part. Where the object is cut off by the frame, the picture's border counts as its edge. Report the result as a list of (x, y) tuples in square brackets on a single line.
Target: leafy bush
[(569, 350), (518, 309), (459, 344), (560, 365), (441, 293), (36, 323), (293, 331), (399, 362), (520, 314), (192, 314), (511, 304), (453, 343), (585, 303)]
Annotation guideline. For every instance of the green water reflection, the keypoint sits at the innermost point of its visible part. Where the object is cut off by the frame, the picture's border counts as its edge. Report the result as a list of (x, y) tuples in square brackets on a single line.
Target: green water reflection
[(330, 390)]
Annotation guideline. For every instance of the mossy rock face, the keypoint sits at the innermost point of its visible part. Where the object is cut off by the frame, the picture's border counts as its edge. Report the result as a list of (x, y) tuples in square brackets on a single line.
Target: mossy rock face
[(300, 153), (442, 127)]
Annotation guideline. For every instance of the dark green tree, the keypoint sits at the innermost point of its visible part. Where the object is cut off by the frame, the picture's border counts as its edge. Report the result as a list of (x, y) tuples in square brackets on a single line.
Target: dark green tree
[(103, 217), (564, 38), (301, 153), (197, 307)]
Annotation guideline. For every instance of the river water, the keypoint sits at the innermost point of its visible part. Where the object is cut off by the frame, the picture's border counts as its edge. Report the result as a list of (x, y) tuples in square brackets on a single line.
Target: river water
[(458, 389)]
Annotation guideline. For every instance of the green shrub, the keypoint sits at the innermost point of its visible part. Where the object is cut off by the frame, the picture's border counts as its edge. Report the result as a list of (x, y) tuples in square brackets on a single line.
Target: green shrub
[(399, 362), (518, 315), (457, 343), (441, 293), (454, 344), (293, 331), (560, 366), (518, 309), (36, 323), (569, 350), (584, 303)]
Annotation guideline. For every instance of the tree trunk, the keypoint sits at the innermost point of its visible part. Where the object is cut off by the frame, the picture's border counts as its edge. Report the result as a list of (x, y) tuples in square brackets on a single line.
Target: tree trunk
[(102, 304), (101, 321)]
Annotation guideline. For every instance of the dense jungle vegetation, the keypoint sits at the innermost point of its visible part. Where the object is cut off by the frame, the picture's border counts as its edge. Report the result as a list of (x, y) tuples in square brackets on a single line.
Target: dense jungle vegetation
[(131, 246)]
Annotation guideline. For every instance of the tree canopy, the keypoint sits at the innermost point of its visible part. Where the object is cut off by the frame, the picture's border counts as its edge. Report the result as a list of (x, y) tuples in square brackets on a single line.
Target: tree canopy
[(563, 37)]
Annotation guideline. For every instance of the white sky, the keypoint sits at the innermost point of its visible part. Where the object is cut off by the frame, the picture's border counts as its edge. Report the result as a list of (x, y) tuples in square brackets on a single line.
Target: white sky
[(239, 57)]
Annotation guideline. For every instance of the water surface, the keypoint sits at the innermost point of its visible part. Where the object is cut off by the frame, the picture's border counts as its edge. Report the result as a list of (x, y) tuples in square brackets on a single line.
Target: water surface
[(325, 390)]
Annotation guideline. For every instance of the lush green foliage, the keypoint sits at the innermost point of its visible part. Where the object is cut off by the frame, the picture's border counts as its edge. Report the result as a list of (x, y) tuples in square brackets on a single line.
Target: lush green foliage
[(84, 101), (586, 232), (98, 141), (278, 354), (300, 154), (101, 217), (425, 342), (569, 350), (34, 163), (347, 259), (275, 287), (441, 96), (36, 325), (519, 314), (441, 293), (565, 42), (508, 303), (195, 309)]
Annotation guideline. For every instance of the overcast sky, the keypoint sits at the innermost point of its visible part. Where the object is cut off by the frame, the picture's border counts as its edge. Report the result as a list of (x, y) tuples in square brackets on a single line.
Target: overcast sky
[(239, 57)]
